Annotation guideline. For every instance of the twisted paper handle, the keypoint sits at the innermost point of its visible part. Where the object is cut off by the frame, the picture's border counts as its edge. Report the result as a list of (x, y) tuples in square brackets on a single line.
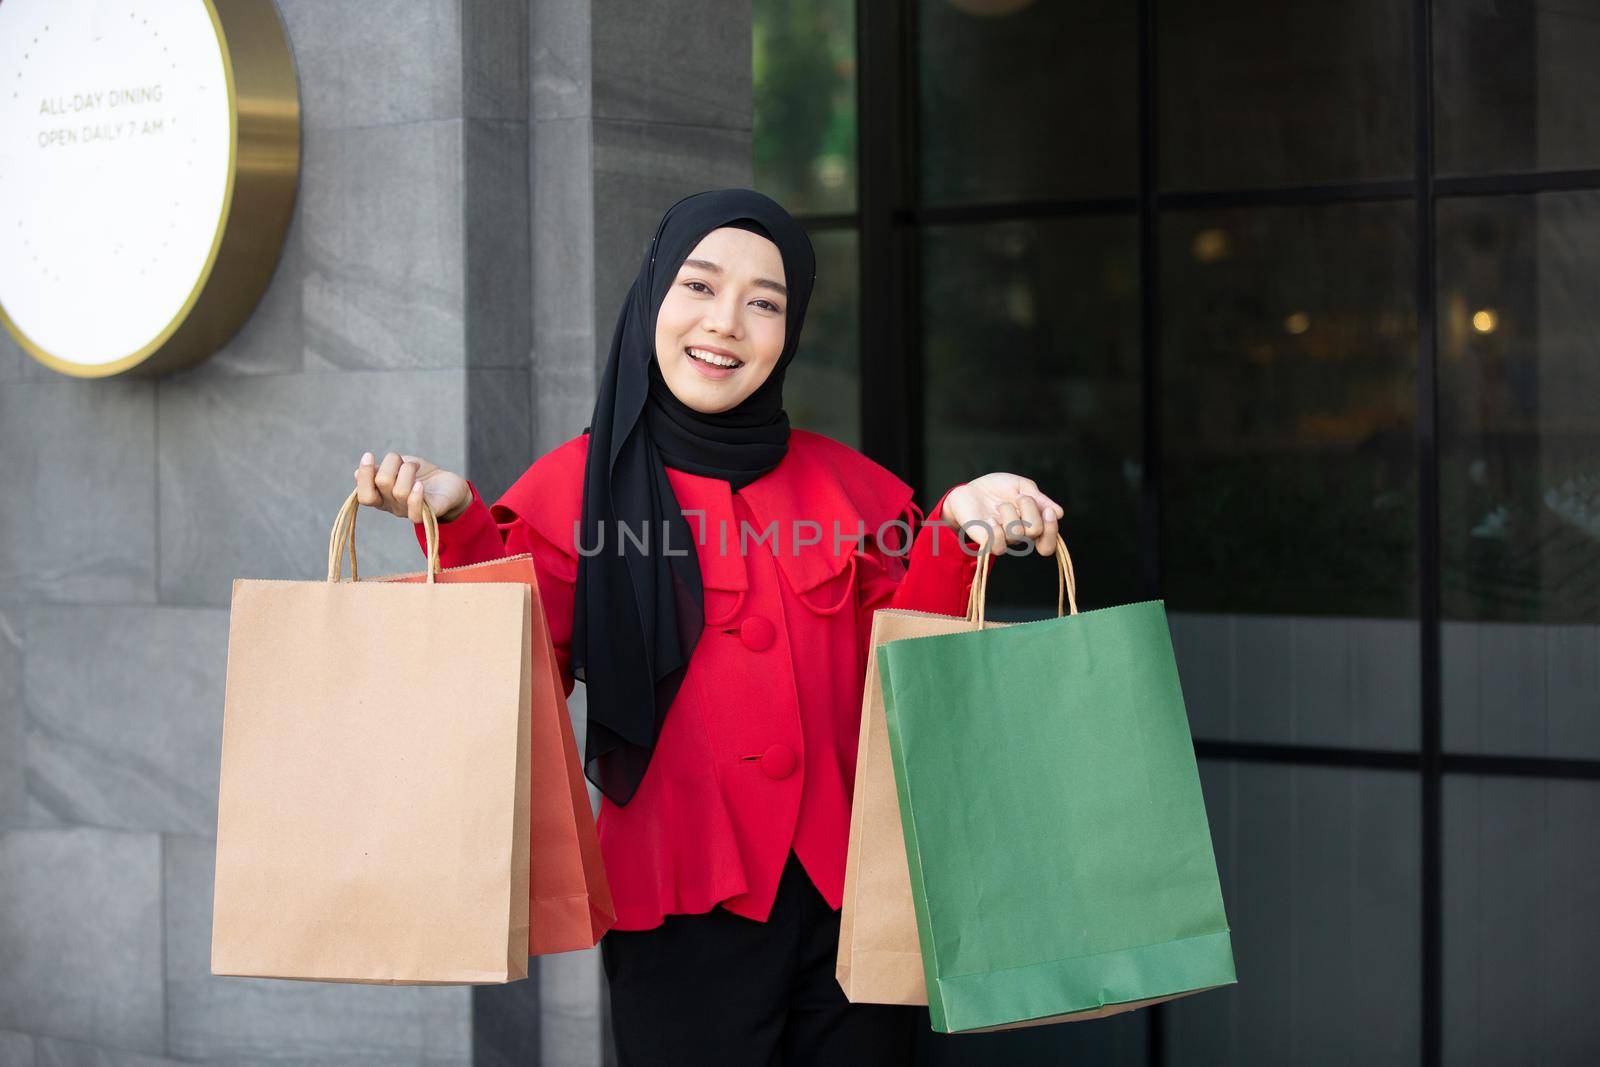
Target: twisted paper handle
[(1066, 587), (344, 532)]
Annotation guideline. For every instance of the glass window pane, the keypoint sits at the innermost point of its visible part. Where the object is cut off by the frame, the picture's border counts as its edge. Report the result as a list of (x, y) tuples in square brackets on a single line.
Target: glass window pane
[(1521, 892), (1288, 410), (822, 388), (1031, 342), (1519, 407), (1344, 681), (1027, 100), (1515, 85), (1265, 93), (804, 66), (1519, 473), (1521, 688), (1322, 883)]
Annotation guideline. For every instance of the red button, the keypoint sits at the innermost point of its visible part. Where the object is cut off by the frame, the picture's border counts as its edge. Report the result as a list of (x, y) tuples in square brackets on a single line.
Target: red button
[(778, 761), (757, 633)]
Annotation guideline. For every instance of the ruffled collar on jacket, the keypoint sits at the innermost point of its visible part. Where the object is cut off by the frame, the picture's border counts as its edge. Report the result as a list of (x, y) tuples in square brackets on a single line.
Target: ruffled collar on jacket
[(820, 480)]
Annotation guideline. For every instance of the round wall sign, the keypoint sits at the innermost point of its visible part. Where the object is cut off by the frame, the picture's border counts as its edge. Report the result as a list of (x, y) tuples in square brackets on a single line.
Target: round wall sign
[(149, 154)]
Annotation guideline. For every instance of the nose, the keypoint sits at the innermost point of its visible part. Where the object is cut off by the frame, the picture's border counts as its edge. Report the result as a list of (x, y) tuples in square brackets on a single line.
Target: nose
[(722, 316)]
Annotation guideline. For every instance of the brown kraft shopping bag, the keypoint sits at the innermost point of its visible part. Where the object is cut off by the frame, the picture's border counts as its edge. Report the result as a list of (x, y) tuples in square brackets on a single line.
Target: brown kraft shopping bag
[(372, 818), (569, 904), (880, 961)]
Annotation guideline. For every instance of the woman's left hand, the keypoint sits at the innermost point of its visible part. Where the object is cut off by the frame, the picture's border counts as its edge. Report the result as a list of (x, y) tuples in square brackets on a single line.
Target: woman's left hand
[(1009, 503)]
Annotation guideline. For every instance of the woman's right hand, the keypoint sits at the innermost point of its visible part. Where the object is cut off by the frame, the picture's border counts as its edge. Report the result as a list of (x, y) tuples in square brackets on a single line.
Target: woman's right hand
[(399, 484)]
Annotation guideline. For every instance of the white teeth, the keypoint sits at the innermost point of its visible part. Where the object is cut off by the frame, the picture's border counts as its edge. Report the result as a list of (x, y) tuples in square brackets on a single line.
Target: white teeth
[(712, 358)]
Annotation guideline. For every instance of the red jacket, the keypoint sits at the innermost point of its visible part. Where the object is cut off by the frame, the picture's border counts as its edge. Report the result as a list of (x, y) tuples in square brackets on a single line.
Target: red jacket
[(757, 754)]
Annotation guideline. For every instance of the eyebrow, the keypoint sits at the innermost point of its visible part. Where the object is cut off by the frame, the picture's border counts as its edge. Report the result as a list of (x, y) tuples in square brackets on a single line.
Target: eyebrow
[(764, 283)]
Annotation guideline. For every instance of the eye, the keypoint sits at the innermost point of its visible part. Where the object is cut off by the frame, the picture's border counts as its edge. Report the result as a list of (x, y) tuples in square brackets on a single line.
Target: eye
[(767, 304)]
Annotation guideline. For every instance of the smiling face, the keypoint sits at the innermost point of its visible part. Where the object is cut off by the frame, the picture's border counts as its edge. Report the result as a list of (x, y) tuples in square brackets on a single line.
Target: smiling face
[(728, 304)]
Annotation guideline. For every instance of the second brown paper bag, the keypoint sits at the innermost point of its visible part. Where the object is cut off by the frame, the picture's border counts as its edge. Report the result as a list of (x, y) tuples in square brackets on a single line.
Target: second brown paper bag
[(569, 899), (880, 959)]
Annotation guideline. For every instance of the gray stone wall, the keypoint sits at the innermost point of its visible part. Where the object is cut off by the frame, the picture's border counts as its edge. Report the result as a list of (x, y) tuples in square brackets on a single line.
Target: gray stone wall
[(479, 181)]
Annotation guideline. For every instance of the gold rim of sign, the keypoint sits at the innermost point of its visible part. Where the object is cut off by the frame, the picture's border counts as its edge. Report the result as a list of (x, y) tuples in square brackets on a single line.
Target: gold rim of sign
[(257, 201)]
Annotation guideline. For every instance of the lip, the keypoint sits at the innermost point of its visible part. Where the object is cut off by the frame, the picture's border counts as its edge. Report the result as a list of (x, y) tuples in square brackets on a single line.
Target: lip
[(718, 351), (706, 369)]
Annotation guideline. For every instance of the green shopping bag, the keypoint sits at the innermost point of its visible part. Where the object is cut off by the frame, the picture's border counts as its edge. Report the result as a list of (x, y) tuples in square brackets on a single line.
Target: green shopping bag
[(1060, 859)]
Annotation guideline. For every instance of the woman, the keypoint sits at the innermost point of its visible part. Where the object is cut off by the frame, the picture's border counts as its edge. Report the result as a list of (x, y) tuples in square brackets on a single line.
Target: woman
[(711, 575)]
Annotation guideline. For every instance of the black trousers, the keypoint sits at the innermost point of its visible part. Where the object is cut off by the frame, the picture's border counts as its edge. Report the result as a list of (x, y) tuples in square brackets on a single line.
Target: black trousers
[(721, 989)]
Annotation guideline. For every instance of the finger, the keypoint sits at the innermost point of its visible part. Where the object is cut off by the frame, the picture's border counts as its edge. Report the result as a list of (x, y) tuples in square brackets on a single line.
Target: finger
[(1047, 540), (384, 479), (1010, 526), (404, 479), (365, 492), (1029, 487), (1048, 503), (414, 502), (994, 538), (978, 531), (1033, 520)]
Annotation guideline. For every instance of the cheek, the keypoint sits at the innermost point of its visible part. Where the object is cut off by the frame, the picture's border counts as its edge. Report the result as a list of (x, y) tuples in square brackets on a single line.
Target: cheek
[(675, 317), (771, 340)]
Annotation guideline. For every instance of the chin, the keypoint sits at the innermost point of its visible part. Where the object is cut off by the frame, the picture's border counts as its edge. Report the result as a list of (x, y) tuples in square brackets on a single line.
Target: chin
[(713, 407), (704, 395), (695, 395)]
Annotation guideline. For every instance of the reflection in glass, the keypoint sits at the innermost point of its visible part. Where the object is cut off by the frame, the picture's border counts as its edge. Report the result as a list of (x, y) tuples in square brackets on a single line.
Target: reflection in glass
[(1520, 937), (1288, 409), (1344, 681), (1519, 407), (1514, 85), (1521, 688), (822, 387), (1026, 101), (1031, 348), (1264, 93), (804, 66), (1519, 473), (1322, 881)]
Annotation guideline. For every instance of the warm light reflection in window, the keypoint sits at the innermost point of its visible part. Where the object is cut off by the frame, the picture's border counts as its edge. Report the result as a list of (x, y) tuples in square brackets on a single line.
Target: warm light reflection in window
[(1211, 245)]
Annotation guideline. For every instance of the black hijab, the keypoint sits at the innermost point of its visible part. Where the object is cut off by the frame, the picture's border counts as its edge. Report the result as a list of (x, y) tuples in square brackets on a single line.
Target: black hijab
[(637, 616)]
